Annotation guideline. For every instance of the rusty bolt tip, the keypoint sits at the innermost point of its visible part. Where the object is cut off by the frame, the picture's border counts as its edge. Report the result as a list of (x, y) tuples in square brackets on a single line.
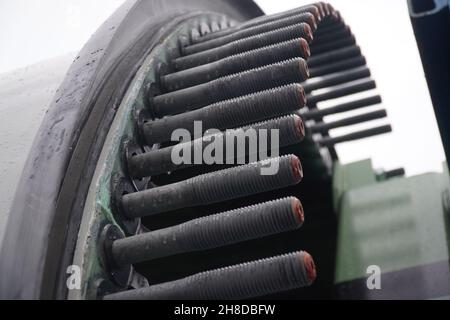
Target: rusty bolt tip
[(310, 267), (326, 8), (299, 126), (297, 209), (330, 8), (296, 168), (311, 21), (302, 95), (316, 13), (337, 16), (308, 32), (304, 68), (305, 48), (319, 5)]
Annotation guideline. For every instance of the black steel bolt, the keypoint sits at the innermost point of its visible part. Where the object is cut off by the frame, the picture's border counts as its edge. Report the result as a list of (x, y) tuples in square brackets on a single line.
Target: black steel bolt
[(262, 20), (331, 20), (296, 48), (230, 113), (249, 32), (342, 90), (315, 9), (302, 30), (334, 56), (338, 66), (214, 187), (243, 281), (235, 85), (330, 142), (212, 231), (321, 8), (290, 131), (386, 175), (339, 34), (349, 106), (329, 8), (336, 78), (324, 127), (330, 46), (324, 30)]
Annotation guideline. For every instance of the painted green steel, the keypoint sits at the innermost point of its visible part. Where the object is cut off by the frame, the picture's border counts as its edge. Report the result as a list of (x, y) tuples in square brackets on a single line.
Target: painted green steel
[(394, 224), (351, 176)]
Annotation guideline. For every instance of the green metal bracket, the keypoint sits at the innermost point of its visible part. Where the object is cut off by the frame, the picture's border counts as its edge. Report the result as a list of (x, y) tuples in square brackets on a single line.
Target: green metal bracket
[(396, 224)]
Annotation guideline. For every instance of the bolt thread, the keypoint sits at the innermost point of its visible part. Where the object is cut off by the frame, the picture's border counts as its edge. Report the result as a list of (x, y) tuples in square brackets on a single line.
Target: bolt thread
[(263, 78), (324, 127), (296, 48), (211, 231), (246, 280), (336, 79), (334, 56), (338, 34), (235, 85), (230, 113), (312, 9), (302, 30), (343, 90), (317, 114), (334, 45), (215, 187), (252, 31), (264, 104), (338, 66), (290, 131), (242, 224), (244, 180)]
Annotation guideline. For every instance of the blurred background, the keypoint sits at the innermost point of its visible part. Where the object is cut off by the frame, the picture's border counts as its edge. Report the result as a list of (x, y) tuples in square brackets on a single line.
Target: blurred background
[(34, 31)]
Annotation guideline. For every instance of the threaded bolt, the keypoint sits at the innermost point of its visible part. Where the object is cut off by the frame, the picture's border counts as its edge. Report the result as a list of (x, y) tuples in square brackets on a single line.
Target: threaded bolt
[(342, 90), (332, 141), (243, 281), (214, 187), (302, 30), (290, 131), (296, 48), (335, 35), (334, 56), (212, 231), (324, 127), (336, 79), (330, 46), (235, 85), (312, 9), (348, 106), (249, 32), (339, 66), (229, 113), (325, 30)]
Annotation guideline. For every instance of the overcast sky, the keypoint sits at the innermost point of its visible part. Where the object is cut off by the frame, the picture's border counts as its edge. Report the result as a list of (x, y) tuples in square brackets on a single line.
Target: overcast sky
[(31, 31)]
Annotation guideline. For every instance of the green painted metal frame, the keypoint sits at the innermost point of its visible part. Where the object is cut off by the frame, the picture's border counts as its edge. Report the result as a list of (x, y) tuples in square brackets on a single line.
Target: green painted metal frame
[(395, 224)]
